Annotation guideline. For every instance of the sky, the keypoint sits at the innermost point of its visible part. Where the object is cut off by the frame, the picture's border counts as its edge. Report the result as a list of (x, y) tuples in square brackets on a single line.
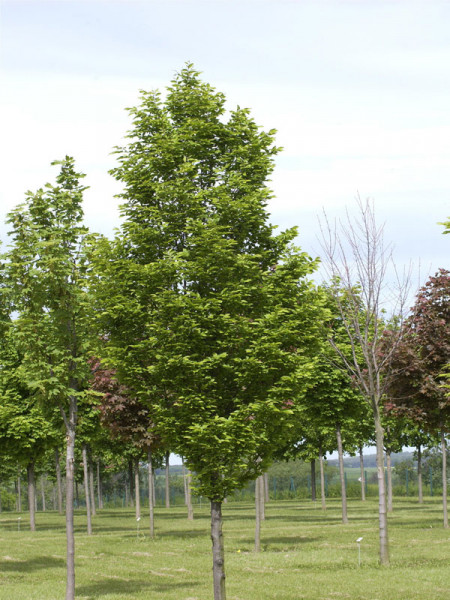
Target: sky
[(359, 92)]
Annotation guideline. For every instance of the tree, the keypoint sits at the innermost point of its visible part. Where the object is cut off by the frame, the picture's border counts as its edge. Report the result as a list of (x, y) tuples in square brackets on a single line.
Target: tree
[(207, 313), (420, 360), (357, 262), (46, 272), (128, 420)]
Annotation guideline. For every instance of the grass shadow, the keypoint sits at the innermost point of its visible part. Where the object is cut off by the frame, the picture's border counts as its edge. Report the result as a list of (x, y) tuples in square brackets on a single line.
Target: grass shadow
[(126, 587), (32, 564)]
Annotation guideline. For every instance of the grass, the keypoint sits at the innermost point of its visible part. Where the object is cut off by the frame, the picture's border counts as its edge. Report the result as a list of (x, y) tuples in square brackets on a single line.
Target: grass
[(307, 555)]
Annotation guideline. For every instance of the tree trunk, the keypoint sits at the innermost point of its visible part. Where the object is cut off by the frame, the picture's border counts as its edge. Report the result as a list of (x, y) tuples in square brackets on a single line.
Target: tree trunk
[(137, 488), (419, 473), (43, 493), (389, 481), (185, 484), (313, 480), (262, 498), (19, 493), (382, 514), (444, 478), (31, 495), (363, 475), (99, 487), (58, 482), (70, 463), (257, 515), (322, 481), (217, 551), (342, 475), (91, 486), (189, 497), (266, 487), (150, 494), (86, 491), (167, 480)]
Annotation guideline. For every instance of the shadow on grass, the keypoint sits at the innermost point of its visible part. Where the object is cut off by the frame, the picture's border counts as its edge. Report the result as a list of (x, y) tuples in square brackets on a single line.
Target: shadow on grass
[(130, 588), (32, 564)]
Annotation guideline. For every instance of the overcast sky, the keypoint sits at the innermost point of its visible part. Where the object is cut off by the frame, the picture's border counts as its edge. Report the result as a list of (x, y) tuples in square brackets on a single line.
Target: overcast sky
[(359, 92)]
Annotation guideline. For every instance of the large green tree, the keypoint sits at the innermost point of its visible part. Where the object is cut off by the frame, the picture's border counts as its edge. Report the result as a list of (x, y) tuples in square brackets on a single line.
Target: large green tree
[(207, 312), (46, 273)]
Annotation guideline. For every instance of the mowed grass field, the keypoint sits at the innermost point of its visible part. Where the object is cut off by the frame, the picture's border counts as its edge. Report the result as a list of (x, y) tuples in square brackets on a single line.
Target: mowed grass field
[(307, 554)]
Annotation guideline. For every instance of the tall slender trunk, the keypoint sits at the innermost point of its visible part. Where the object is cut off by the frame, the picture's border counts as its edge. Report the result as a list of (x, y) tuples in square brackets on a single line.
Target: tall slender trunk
[(19, 492), (150, 494), (31, 495), (189, 496), (58, 482), (322, 481), (86, 490), (257, 515), (389, 481), (419, 473), (99, 486), (91, 486), (167, 480), (342, 475), (266, 487), (217, 551), (43, 493), (262, 498), (137, 492), (382, 514), (70, 464), (313, 480), (444, 478), (363, 475)]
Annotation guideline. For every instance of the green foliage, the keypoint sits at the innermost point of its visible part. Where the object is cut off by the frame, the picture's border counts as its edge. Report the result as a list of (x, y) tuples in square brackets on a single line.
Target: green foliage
[(45, 271), (207, 313)]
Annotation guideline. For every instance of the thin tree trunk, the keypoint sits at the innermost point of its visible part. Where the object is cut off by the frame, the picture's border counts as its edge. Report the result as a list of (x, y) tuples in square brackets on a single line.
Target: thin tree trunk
[(363, 475), (70, 464), (150, 494), (389, 481), (167, 480), (58, 482), (137, 488), (189, 497), (31, 495), (382, 514), (257, 516), (342, 475), (43, 493), (262, 498), (444, 478), (19, 493), (217, 551), (99, 487), (91, 486), (86, 491), (313, 480), (419, 473), (322, 481), (266, 487)]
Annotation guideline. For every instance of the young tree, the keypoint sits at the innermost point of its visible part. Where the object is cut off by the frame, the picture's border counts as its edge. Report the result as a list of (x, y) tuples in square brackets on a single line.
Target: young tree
[(357, 262), (417, 390), (207, 313), (45, 270)]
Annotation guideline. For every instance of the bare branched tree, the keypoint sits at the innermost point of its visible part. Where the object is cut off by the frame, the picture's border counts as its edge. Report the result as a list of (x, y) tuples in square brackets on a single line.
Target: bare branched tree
[(359, 267)]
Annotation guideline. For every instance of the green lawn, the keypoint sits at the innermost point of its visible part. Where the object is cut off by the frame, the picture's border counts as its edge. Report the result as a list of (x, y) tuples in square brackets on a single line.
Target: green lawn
[(307, 554)]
